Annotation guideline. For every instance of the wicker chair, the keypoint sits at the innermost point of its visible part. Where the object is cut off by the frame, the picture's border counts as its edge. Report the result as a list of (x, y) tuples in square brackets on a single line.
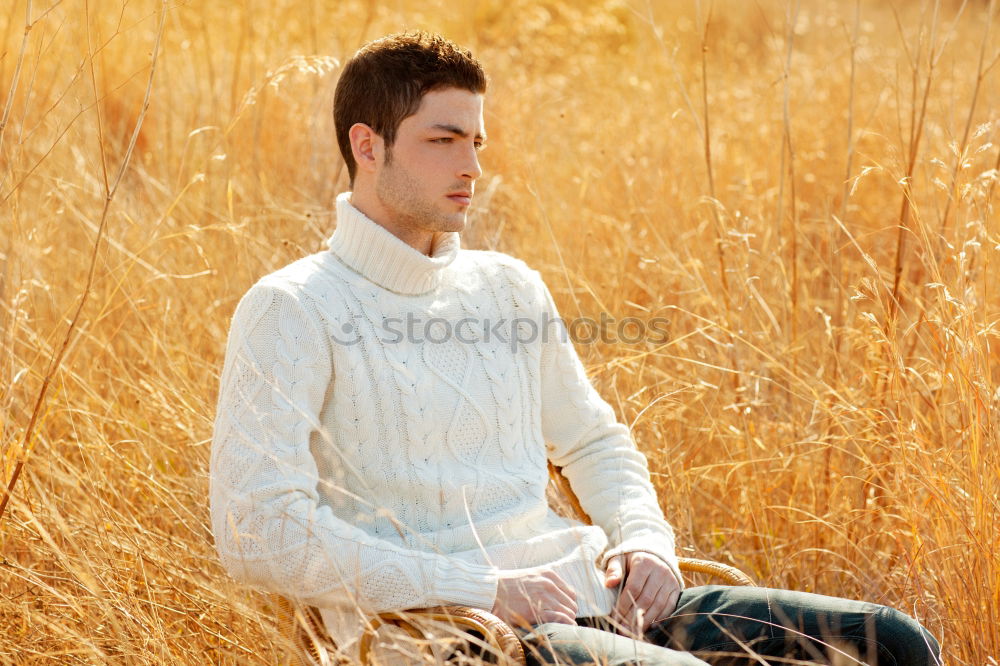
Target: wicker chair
[(304, 626)]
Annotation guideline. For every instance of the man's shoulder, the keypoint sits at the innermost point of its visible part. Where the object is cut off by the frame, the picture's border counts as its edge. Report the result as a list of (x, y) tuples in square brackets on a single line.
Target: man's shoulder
[(305, 279), (300, 275)]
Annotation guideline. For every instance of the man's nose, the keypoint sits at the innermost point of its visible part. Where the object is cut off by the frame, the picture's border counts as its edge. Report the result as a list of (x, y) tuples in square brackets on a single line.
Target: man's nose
[(470, 165)]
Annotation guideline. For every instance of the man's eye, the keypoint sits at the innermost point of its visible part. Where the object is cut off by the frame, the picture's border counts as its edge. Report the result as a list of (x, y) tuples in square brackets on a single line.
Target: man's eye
[(443, 139), (480, 145)]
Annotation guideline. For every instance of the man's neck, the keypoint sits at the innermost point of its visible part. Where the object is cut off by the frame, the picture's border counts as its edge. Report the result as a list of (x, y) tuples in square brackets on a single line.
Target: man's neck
[(419, 239), (375, 253)]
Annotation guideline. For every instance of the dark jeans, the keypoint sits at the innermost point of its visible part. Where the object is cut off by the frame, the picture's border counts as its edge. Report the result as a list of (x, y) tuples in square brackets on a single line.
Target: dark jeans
[(728, 625)]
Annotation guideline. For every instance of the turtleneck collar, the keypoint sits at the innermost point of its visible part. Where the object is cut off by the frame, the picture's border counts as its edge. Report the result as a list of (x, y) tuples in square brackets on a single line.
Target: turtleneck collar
[(377, 254)]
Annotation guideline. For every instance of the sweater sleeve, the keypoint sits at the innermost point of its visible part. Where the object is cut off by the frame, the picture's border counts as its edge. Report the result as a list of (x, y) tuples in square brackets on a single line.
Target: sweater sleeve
[(270, 526), (607, 472)]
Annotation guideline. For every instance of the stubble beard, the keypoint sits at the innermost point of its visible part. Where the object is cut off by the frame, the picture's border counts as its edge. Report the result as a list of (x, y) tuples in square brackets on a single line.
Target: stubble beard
[(400, 193)]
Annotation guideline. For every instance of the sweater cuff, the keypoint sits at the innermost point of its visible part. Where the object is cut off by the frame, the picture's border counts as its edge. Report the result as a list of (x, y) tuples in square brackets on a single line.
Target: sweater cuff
[(654, 545), (462, 583)]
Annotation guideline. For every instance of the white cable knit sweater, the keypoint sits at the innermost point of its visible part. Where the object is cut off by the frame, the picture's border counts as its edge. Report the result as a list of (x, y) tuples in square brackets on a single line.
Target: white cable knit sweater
[(359, 468)]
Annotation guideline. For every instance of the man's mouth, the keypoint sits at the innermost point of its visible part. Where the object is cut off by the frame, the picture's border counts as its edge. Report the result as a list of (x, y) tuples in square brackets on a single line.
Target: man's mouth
[(461, 198)]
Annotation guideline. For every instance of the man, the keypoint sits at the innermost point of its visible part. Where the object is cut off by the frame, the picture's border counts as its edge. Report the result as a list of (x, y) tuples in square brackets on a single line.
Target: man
[(388, 405)]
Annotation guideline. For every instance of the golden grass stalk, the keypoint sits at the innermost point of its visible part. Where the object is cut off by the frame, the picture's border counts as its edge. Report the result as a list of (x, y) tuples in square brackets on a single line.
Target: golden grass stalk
[(27, 443)]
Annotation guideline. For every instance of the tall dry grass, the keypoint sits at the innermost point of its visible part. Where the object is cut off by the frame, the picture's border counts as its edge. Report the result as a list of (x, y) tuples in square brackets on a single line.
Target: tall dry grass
[(808, 190)]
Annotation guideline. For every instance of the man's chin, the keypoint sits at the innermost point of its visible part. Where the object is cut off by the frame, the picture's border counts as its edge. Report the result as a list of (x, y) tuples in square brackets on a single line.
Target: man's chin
[(454, 223)]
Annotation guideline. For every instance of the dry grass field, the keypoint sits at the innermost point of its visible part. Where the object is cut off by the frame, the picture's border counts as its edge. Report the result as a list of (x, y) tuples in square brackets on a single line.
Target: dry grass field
[(806, 189)]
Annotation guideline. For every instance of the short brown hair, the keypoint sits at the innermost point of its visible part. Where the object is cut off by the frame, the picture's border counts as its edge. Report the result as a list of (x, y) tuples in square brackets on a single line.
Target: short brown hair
[(385, 80)]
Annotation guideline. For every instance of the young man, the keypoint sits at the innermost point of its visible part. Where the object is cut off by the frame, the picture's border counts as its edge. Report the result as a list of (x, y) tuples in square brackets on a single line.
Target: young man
[(386, 414)]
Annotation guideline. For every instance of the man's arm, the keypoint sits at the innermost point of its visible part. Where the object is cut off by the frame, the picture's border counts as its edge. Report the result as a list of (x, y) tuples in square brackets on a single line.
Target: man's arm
[(596, 453), (270, 528)]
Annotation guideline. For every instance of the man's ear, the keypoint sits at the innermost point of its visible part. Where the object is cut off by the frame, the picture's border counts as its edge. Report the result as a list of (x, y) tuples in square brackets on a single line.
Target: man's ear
[(366, 145)]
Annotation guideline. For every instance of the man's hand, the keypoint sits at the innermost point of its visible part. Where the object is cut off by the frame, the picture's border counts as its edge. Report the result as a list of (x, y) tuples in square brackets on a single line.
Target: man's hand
[(534, 598), (650, 593)]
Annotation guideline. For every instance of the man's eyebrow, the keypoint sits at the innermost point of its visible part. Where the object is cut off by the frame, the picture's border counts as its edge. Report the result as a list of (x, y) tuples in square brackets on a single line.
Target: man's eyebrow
[(455, 129)]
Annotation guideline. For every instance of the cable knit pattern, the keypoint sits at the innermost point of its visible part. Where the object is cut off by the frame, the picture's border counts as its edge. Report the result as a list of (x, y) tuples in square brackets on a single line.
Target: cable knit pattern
[(362, 464)]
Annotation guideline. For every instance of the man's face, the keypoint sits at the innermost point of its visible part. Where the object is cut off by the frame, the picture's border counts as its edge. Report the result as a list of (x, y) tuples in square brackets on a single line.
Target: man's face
[(428, 181)]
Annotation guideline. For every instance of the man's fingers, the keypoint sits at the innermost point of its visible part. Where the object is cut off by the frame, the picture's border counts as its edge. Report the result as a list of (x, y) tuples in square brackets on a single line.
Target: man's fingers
[(625, 601), (623, 607), (556, 616), (613, 572), (514, 618), (650, 593), (562, 592), (553, 600), (671, 592), (552, 605), (567, 601), (663, 605), (535, 598), (535, 615), (635, 583)]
